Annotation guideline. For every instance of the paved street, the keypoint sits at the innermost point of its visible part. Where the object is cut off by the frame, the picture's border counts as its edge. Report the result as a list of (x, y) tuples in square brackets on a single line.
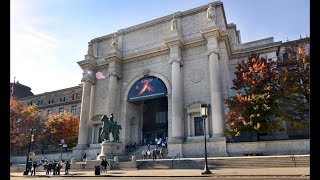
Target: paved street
[(222, 173), (146, 178)]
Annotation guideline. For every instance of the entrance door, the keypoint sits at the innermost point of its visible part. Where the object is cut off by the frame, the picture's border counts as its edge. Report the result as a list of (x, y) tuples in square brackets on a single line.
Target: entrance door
[(155, 119)]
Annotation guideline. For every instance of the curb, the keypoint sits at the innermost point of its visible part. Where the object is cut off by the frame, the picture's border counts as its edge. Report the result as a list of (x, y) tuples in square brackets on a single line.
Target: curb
[(216, 176)]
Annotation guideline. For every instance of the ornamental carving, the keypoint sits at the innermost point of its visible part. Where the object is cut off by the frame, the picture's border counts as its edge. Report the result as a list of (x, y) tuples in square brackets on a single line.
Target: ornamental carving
[(196, 75)]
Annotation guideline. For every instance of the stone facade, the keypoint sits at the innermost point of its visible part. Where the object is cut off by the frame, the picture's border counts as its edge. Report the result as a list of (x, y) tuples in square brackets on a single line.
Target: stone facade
[(195, 58), (54, 102)]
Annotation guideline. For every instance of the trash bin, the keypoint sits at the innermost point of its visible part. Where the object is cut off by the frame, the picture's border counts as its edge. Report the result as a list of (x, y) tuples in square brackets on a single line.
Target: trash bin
[(96, 170)]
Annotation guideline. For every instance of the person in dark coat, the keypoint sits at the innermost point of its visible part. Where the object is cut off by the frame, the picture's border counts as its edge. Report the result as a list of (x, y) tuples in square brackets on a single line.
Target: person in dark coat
[(34, 168), (67, 167), (84, 157)]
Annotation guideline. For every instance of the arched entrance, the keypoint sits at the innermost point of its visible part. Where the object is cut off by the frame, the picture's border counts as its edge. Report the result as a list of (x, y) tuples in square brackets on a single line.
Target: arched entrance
[(150, 93)]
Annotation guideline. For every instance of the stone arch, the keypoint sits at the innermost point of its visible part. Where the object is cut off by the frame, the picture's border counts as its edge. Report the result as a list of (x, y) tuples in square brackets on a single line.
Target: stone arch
[(134, 80)]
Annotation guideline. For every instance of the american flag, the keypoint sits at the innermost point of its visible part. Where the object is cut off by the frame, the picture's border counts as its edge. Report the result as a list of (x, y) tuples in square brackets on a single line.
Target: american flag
[(12, 87)]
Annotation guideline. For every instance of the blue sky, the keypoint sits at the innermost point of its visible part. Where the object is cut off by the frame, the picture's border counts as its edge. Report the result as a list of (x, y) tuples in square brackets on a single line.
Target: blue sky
[(49, 37)]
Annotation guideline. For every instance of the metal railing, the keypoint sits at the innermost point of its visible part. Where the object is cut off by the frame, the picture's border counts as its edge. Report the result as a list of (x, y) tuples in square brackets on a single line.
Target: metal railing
[(174, 159), (293, 157)]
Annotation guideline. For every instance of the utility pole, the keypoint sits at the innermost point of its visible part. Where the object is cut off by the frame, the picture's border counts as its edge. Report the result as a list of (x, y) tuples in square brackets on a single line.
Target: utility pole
[(30, 141)]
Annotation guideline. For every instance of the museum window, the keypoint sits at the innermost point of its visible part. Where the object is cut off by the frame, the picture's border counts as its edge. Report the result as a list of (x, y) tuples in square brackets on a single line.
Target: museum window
[(198, 126), (72, 96), (39, 103), (64, 99), (52, 101), (293, 55), (74, 110), (60, 99), (284, 56), (50, 111), (61, 110), (49, 102)]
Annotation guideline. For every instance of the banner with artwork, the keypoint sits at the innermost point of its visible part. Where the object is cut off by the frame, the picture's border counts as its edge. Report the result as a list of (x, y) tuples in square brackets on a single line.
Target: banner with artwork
[(147, 88)]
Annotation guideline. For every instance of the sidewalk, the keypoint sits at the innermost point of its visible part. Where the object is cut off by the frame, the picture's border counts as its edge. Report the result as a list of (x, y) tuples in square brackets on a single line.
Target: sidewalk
[(285, 172)]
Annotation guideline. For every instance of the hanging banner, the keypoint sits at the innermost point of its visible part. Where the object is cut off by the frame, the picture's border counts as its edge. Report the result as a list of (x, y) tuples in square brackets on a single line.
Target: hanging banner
[(147, 88)]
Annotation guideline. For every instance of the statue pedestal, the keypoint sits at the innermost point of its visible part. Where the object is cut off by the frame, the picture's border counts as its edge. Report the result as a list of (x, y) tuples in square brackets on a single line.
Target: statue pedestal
[(111, 149)]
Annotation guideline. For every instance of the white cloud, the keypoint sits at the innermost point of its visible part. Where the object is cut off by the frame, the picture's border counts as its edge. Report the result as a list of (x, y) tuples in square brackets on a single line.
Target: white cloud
[(37, 53)]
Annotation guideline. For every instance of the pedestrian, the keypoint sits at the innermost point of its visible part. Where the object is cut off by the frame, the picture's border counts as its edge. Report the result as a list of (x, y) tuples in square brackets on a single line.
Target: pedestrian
[(143, 154), (54, 165), (145, 141), (29, 165), (104, 165), (67, 167), (84, 157), (34, 168), (161, 153), (58, 167), (154, 151)]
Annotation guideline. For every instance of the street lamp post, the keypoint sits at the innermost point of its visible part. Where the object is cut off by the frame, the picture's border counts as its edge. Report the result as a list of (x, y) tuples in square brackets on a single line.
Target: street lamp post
[(204, 115), (30, 141)]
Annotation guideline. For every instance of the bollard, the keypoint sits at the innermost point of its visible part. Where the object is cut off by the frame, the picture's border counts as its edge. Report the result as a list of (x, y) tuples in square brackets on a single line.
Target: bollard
[(116, 159), (73, 160)]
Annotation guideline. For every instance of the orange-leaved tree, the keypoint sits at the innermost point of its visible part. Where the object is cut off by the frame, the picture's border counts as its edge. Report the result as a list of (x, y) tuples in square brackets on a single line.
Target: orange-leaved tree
[(252, 109), (23, 119), (64, 126)]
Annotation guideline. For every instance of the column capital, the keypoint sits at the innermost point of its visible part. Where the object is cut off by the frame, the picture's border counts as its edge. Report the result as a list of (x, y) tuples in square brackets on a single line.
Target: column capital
[(88, 79), (174, 41), (178, 60), (211, 32), (115, 74), (88, 75), (215, 51)]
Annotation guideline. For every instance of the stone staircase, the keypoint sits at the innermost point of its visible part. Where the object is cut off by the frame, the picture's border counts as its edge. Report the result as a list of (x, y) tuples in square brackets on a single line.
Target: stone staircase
[(138, 152), (228, 162)]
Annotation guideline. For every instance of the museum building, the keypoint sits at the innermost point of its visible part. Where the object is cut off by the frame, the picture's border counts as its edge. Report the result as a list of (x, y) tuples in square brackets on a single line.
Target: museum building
[(154, 76)]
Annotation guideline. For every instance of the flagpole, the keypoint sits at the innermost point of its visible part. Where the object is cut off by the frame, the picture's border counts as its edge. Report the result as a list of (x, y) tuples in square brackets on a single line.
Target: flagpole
[(12, 90)]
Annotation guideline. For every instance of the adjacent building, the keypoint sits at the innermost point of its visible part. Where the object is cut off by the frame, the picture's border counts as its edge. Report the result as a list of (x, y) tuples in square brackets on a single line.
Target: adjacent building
[(56, 102)]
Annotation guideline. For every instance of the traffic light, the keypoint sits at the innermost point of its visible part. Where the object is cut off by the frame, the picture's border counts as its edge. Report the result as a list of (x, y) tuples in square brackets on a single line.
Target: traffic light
[(32, 137)]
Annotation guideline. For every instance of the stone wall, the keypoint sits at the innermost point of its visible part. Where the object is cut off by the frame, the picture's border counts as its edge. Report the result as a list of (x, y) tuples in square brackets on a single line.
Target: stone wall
[(301, 146), (66, 156)]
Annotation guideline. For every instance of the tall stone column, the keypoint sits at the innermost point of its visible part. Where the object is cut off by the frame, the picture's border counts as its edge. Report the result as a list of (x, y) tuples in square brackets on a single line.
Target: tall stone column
[(84, 115), (216, 95), (177, 124), (112, 94), (91, 112), (217, 105), (217, 142)]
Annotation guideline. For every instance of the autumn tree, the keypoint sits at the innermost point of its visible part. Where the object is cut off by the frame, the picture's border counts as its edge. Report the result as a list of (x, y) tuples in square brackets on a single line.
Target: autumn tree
[(63, 126), (294, 81), (252, 109), (22, 120)]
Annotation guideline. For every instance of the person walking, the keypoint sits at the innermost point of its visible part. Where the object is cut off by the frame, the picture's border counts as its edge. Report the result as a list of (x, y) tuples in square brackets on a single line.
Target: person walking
[(84, 157), (67, 167), (34, 168), (143, 154), (104, 164)]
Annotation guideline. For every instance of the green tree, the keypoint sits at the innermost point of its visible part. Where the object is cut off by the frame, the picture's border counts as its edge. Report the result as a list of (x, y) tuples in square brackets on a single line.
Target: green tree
[(294, 95)]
